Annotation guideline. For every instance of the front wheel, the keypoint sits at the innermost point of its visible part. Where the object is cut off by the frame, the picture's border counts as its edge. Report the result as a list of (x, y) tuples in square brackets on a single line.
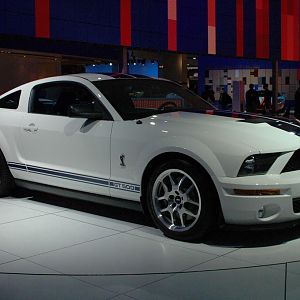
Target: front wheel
[(180, 200)]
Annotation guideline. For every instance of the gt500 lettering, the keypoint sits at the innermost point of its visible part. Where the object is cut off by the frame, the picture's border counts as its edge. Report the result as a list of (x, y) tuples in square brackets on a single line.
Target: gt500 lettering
[(123, 186)]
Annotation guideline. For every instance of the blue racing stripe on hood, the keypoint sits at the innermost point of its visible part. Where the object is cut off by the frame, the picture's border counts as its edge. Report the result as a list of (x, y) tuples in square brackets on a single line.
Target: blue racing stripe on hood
[(275, 121)]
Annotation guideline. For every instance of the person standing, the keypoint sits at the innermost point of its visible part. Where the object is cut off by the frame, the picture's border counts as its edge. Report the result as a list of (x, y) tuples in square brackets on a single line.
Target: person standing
[(225, 100), (208, 94), (252, 101), (297, 104), (267, 97)]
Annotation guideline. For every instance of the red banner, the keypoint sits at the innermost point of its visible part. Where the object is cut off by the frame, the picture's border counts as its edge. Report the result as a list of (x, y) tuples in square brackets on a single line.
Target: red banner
[(212, 49), (125, 22), (172, 25), (239, 27), (290, 30), (262, 29), (42, 18)]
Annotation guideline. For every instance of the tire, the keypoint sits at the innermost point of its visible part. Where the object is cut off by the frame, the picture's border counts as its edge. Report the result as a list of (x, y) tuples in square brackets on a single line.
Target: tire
[(180, 201), (7, 182)]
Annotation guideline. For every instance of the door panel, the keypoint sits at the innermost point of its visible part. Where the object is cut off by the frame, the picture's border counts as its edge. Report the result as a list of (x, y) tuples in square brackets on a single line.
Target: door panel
[(69, 152)]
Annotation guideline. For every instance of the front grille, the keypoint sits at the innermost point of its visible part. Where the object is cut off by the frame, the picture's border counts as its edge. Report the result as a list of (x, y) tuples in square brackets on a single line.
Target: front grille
[(294, 163), (296, 205)]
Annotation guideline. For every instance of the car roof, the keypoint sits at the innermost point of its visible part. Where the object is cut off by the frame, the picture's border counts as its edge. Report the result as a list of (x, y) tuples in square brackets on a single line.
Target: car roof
[(98, 76), (92, 76), (125, 75)]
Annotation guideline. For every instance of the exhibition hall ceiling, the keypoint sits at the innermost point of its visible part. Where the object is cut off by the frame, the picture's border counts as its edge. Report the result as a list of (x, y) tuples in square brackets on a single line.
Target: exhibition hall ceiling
[(264, 29)]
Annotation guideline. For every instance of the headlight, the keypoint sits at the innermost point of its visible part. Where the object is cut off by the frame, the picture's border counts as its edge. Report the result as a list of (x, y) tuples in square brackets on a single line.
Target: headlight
[(258, 164)]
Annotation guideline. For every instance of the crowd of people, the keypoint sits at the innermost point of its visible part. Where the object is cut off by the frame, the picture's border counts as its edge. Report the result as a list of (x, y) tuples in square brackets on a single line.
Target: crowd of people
[(253, 103), (225, 100), (252, 99)]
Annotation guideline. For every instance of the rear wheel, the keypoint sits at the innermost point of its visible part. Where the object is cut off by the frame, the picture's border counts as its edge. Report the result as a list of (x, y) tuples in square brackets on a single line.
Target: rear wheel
[(180, 200), (7, 183)]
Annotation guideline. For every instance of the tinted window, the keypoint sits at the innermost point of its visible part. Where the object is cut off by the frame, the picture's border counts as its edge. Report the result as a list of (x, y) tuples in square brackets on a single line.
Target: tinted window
[(11, 101), (56, 98), (137, 98)]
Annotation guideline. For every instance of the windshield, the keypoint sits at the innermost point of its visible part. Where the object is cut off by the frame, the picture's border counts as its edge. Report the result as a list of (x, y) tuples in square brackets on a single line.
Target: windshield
[(139, 98)]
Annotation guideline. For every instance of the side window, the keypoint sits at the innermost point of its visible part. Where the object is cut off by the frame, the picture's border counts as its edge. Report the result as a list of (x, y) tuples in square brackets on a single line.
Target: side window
[(44, 99), (10, 101), (56, 98)]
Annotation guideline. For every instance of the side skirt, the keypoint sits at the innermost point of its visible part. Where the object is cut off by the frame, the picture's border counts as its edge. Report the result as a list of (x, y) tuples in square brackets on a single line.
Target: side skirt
[(106, 200)]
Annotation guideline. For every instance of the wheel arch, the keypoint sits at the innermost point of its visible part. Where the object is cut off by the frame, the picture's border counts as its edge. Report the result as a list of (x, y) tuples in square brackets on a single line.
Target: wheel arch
[(157, 160)]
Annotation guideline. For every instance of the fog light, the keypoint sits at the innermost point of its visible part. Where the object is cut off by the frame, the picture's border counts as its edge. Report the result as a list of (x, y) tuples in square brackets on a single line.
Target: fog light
[(267, 192)]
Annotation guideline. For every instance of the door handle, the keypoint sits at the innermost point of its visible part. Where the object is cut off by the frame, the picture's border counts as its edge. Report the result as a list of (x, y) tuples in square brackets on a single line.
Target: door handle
[(31, 128)]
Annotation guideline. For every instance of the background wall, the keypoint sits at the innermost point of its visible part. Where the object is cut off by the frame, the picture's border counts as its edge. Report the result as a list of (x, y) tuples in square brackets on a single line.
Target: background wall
[(288, 80), (268, 28), (20, 69)]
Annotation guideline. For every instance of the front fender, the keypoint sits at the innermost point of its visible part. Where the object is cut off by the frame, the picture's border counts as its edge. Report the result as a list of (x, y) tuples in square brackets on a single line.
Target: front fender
[(195, 149)]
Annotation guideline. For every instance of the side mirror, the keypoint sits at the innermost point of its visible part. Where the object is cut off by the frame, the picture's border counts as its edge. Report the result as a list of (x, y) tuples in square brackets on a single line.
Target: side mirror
[(85, 110)]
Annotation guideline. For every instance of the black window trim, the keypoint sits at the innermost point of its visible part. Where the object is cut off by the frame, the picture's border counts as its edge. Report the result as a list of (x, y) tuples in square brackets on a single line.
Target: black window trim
[(31, 97)]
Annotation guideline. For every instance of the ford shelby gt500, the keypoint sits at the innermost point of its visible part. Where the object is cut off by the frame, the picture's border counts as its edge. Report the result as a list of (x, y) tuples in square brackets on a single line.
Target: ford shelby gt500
[(151, 142)]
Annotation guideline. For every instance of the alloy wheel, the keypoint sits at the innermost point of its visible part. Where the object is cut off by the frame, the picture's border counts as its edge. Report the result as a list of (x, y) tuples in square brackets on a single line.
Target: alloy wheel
[(176, 200)]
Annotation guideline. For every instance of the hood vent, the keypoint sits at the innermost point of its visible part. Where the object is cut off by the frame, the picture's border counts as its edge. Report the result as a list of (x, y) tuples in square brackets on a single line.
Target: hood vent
[(294, 163)]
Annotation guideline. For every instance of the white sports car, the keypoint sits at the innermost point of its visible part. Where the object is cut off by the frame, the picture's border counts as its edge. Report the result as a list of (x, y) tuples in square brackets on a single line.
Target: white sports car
[(150, 142)]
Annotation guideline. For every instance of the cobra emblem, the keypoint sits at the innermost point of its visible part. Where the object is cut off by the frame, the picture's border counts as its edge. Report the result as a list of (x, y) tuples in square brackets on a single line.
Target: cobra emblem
[(122, 159)]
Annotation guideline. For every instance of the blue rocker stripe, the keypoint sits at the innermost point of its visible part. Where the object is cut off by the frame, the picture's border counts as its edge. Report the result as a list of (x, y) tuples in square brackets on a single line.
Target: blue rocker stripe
[(17, 166), (66, 178), (64, 172), (68, 175), (115, 184)]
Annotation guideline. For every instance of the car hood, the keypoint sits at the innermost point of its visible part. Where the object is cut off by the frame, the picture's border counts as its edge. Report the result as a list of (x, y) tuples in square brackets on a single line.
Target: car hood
[(218, 128)]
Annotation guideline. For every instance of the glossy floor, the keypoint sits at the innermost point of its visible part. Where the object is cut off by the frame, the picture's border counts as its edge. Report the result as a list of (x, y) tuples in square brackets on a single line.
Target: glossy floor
[(57, 248)]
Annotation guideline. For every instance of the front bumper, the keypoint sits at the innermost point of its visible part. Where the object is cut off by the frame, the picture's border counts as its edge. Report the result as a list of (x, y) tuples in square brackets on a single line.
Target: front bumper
[(261, 227), (260, 210)]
